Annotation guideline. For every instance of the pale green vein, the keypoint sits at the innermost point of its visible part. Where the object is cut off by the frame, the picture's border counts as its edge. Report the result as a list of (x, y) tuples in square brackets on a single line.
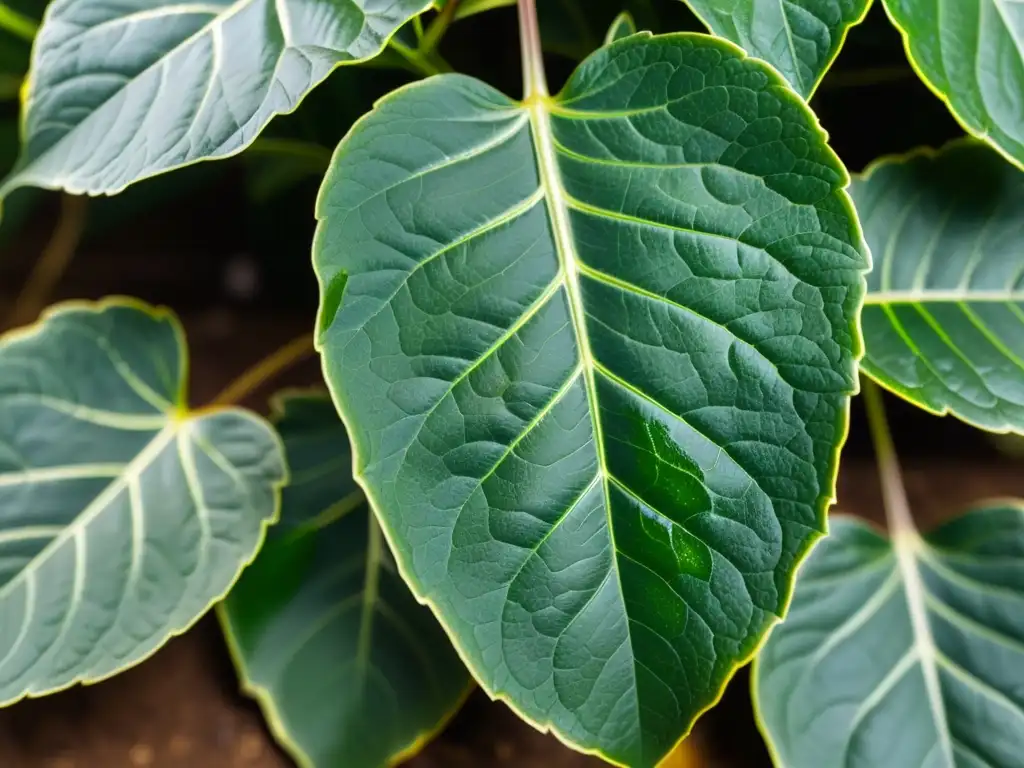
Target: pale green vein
[(36, 475), (968, 625), (980, 687), (135, 468)]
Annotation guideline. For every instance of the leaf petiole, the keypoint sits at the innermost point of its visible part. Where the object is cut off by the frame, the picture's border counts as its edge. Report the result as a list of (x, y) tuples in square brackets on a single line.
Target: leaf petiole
[(422, 64), (430, 40), (270, 366), (16, 23), (52, 263), (897, 508)]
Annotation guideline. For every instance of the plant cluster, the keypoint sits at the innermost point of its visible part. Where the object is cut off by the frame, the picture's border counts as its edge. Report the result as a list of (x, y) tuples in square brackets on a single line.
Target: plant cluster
[(589, 357)]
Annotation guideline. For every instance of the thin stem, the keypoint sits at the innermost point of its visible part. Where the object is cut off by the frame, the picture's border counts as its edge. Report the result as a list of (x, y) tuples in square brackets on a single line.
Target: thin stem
[(371, 588), (315, 155), (429, 41), (906, 542), (17, 23), (285, 357), (52, 263), (417, 25), (894, 495), (534, 81), (423, 65), (870, 76)]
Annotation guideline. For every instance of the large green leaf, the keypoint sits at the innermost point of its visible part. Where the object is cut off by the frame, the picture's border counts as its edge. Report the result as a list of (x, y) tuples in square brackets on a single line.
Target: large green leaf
[(800, 38), (944, 320), (124, 90), (350, 670), (971, 54), (123, 516), (904, 652), (595, 354)]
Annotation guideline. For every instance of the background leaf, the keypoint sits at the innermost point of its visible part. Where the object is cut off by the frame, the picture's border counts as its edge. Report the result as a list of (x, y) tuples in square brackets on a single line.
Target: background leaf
[(944, 317), (969, 52), (622, 26), (595, 354), (845, 681), (123, 517), (800, 38), (120, 92), (349, 669)]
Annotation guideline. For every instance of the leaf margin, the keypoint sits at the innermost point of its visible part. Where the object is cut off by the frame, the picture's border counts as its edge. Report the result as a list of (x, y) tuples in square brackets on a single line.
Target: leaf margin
[(846, 29), (980, 505), (8, 183), (971, 132), (929, 152)]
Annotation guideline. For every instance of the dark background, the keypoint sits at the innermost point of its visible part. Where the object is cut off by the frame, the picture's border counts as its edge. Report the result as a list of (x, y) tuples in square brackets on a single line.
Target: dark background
[(235, 264)]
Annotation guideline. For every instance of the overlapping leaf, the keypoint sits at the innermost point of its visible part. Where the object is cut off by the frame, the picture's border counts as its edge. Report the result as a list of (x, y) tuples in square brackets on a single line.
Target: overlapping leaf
[(904, 652), (971, 53), (800, 38), (622, 26), (124, 90), (348, 667), (595, 353), (122, 515), (944, 317)]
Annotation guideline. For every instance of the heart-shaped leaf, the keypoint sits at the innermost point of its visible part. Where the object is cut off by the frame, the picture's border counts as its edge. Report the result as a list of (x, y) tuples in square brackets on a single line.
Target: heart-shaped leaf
[(122, 91), (595, 354), (349, 669), (970, 53), (123, 516), (800, 38), (944, 316), (902, 652)]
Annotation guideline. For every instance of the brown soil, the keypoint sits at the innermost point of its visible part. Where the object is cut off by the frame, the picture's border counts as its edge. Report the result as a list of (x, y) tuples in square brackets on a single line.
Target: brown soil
[(181, 708)]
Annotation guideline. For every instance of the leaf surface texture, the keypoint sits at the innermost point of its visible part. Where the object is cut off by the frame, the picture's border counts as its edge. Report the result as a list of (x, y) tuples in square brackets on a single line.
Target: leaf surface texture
[(123, 517), (595, 354), (847, 682)]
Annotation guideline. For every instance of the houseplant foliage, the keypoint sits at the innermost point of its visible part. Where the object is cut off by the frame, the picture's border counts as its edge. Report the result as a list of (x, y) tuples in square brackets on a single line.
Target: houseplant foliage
[(348, 668), (518, 370), (127, 528), (944, 316), (592, 355), (904, 649)]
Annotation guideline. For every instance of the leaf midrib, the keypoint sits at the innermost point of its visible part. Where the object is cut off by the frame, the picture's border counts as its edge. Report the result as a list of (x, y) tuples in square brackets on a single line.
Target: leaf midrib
[(94, 508), (906, 545), (558, 210)]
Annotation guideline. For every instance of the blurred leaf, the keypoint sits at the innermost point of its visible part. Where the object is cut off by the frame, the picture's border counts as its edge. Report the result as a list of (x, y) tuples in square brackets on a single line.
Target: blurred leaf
[(902, 652), (800, 38), (349, 669), (622, 26), (971, 54), (943, 321)]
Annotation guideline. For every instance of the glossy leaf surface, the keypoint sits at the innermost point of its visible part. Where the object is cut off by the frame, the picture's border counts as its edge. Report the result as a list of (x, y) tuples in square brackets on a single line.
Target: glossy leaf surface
[(944, 317), (123, 517), (800, 38), (349, 669), (124, 90), (595, 354), (847, 682), (971, 54)]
